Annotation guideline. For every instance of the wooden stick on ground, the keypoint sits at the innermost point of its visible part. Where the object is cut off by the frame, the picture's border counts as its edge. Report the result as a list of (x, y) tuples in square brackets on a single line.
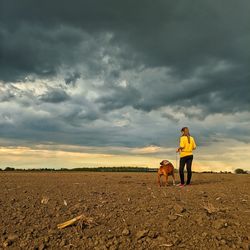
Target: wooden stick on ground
[(81, 217)]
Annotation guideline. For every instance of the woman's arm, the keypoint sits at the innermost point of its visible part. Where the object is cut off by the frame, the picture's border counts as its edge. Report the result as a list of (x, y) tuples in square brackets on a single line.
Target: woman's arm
[(194, 144)]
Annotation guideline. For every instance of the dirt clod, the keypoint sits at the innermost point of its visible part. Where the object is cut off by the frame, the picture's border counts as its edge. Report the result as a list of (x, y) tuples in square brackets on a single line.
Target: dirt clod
[(125, 232), (141, 234), (178, 208), (172, 217), (218, 224)]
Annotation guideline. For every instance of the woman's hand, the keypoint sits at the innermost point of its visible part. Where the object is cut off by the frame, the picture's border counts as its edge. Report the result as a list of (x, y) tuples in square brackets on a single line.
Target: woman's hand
[(179, 149)]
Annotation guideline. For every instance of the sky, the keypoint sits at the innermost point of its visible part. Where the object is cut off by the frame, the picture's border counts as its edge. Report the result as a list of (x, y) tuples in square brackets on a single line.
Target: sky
[(111, 83)]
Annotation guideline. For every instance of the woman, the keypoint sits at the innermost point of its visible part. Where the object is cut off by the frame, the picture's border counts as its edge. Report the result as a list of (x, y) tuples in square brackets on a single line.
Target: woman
[(187, 145)]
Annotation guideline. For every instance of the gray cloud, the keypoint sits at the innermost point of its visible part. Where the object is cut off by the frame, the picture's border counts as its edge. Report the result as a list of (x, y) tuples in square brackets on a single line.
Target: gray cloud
[(107, 69), (72, 78), (55, 96), (119, 97), (179, 35)]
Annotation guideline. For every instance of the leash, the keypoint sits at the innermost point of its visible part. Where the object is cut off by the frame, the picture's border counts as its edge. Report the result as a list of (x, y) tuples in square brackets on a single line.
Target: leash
[(176, 160)]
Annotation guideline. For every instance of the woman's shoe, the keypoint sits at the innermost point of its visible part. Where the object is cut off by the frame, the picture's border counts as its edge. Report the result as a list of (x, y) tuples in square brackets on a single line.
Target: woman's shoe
[(180, 185)]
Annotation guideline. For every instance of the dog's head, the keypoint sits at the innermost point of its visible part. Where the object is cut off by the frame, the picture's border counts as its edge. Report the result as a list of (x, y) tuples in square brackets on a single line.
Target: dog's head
[(164, 162)]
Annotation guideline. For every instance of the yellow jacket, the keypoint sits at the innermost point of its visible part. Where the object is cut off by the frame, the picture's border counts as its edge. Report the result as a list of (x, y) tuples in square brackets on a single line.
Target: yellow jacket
[(187, 148)]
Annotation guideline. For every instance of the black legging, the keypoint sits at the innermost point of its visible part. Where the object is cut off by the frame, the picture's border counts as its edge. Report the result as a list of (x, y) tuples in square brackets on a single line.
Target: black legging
[(187, 160)]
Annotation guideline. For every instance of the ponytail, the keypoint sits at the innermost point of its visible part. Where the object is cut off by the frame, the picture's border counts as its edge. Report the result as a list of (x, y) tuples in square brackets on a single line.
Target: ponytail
[(185, 130)]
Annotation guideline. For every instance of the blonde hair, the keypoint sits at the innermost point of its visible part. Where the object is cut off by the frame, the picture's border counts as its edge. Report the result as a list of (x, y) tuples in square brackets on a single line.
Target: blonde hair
[(185, 131)]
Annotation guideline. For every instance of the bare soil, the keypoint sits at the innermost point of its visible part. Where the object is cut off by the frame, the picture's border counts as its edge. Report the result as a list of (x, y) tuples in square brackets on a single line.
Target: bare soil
[(129, 211)]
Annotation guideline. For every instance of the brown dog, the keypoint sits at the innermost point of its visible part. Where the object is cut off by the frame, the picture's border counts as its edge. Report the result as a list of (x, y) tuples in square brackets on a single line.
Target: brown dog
[(166, 169)]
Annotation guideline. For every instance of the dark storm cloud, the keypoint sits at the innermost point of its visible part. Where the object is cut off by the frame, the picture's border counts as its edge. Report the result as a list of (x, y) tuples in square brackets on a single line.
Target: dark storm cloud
[(181, 34), (213, 91), (55, 96), (71, 78), (33, 50), (122, 56), (40, 37), (119, 97), (58, 127)]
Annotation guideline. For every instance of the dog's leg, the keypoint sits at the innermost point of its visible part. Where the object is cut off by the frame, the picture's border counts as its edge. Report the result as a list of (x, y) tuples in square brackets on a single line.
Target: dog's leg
[(166, 183), (159, 180), (173, 178)]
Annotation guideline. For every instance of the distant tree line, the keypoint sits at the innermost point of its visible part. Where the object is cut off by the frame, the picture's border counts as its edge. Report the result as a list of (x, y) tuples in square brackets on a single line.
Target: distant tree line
[(9, 169), (240, 171), (114, 169), (88, 169), (212, 172), (109, 169)]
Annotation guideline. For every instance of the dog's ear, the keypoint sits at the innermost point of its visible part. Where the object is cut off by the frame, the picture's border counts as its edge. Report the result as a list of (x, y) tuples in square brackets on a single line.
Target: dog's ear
[(161, 163), (165, 162)]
